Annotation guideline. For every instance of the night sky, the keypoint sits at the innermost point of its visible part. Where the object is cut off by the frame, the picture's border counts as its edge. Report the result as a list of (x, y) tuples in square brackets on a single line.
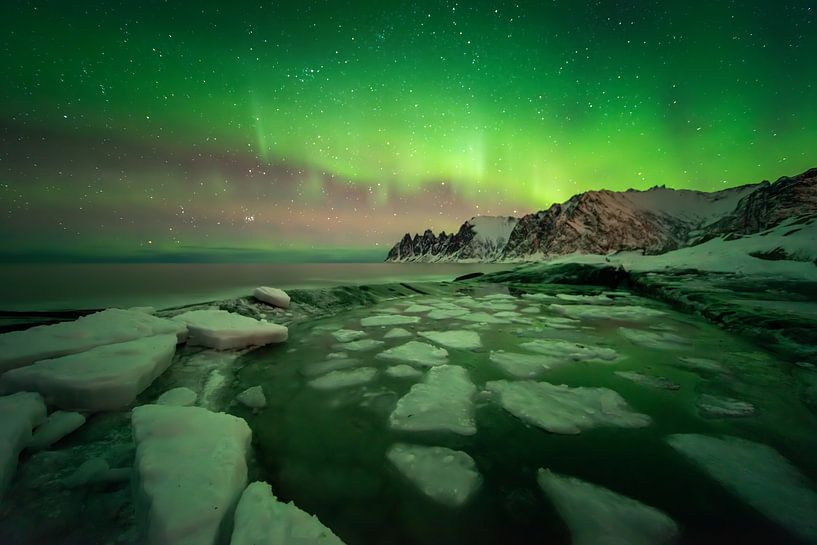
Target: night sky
[(176, 130)]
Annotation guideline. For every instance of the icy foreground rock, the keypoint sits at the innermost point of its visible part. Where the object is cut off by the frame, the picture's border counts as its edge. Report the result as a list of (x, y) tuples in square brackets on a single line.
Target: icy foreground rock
[(442, 402), (56, 426), (104, 378), (565, 410), (260, 519), (456, 339), (570, 351), (19, 414), (417, 353), (272, 296), (446, 476), (598, 516), (758, 475), (190, 470), (20, 348), (343, 379), (224, 330)]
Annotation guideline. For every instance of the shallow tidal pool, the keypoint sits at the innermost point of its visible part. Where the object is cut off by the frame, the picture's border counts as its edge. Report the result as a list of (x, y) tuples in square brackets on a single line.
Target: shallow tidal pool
[(429, 420)]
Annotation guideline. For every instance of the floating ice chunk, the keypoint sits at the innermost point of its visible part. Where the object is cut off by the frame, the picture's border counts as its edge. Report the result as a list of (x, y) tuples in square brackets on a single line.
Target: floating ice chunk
[(361, 345), (253, 398), (223, 330), (418, 308), (388, 319), (531, 310), (446, 476), (337, 356), (724, 407), (661, 383), (587, 299), (442, 402), (569, 350), (315, 369), (180, 397), (347, 335), (104, 378), (343, 379), (598, 516), (20, 348), (96, 471), (445, 313), (758, 475), (499, 297), (523, 365), (501, 306), (272, 296), (260, 519), (403, 371), (19, 413), (397, 333), (625, 312), (653, 339), (560, 409), (702, 364), (416, 352), (482, 318), (542, 297), (56, 426), (190, 470), (457, 339)]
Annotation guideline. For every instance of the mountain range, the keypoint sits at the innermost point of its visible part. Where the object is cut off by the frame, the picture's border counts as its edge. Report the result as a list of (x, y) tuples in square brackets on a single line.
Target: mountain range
[(653, 221)]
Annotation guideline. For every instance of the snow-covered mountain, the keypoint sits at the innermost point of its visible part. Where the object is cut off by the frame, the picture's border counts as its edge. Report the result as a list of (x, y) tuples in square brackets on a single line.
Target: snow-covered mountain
[(602, 222), (482, 238)]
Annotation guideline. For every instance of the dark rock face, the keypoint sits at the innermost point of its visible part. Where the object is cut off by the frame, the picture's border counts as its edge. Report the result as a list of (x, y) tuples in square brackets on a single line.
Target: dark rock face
[(602, 222)]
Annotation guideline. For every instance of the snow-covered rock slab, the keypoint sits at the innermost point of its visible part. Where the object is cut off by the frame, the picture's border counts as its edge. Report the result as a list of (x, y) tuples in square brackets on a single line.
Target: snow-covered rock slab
[(397, 333), (180, 397), (344, 379), (598, 516), (190, 470), (417, 353), (446, 476), (347, 335), (660, 340), (253, 398), (20, 348), (456, 339), (570, 351), (403, 371), (629, 313), (224, 330), (19, 414), (523, 365), (757, 474), (565, 410), (272, 296), (442, 402), (104, 378), (388, 320), (260, 519), (56, 426), (724, 407), (361, 345), (661, 383)]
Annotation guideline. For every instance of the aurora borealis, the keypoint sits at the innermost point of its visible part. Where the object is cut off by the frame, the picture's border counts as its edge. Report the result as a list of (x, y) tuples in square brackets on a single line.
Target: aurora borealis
[(150, 129)]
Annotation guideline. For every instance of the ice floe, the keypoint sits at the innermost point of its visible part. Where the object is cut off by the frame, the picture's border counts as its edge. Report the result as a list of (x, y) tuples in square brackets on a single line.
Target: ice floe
[(261, 519), (570, 350), (660, 340), (701, 364), (361, 345), (482, 318), (104, 378), (388, 320), (530, 310), (630, 313), (344, 378), (711, 406), (272, 296), (599, 516), (56, 426), (447, 476), (180, 397), (757, 474), (586, 299), (523, 365), (96, 471), (19, 414), (190, 471), (662, 383), (457, 339), (416, 352), (397, 333), (347, 335), (418, 308), (442, 402), (315, 369), (224, 330), (565, 410), (403, 371), (446, 313), (253, 398), (20, 348)]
